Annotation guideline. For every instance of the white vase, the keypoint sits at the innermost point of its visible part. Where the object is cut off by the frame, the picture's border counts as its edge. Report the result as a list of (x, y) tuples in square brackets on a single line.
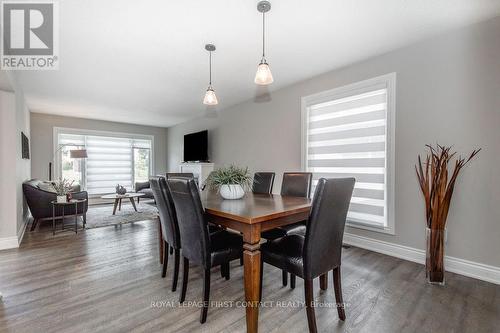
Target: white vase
[(61, 198), (231, 191)]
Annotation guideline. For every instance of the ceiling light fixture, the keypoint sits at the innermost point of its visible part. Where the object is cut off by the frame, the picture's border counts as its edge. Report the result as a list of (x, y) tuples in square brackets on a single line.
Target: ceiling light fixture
[(210, 98), (263, 75)]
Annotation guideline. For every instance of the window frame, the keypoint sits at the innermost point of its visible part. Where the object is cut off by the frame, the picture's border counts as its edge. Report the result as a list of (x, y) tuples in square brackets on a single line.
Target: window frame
[(389, 80), (86, 132)]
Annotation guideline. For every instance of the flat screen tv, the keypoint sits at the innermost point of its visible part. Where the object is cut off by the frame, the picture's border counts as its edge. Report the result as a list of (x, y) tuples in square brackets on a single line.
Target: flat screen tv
[(196, 147)]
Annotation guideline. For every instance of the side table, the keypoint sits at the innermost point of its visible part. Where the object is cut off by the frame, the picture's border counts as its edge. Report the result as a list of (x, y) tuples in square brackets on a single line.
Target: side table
[(63, 205)]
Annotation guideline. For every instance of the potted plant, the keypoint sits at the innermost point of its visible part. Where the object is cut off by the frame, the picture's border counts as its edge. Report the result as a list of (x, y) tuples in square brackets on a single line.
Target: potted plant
[(437, 189), (62, 188), (230, 182)]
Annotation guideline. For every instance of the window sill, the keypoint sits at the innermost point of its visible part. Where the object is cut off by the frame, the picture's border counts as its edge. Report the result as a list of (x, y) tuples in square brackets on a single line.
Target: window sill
[(381, 229)]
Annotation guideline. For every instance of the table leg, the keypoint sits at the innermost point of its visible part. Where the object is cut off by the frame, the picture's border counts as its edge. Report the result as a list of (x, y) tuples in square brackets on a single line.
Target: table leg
[(251, 261), (133, 203), (115, 205), (160, 241), (76, 217), (120, 204), (53, 220)]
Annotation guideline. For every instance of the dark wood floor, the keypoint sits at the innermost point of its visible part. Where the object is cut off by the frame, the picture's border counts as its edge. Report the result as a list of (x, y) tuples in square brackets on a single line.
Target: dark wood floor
[(108, 280)]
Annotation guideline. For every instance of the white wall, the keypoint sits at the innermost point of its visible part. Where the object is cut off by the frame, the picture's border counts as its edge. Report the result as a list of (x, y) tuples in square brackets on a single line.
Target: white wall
[(14, 119), (42, 126), (448, 91)]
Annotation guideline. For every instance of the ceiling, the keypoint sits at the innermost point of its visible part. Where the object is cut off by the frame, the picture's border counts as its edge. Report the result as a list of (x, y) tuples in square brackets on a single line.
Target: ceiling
[(144, 62)]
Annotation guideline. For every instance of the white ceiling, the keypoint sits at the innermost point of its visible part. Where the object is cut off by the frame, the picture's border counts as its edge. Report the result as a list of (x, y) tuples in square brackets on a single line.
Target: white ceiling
[(144, 62)]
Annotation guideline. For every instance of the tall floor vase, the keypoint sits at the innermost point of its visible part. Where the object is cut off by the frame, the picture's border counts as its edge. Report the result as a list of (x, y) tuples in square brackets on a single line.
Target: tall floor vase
[(434, 263)]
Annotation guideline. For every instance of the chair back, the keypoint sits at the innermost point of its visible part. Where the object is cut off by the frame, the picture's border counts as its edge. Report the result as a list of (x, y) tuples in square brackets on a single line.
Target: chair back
[(192, 224), (263, 182), (166, 210), (188, 175), (325, 228), (297, 184)]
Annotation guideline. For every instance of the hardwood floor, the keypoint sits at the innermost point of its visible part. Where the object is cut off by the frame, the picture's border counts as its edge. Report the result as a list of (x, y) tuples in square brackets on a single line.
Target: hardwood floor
[(108, 280)]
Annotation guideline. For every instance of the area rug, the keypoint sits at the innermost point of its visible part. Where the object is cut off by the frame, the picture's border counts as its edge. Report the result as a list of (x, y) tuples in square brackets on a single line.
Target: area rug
[(102, 215)]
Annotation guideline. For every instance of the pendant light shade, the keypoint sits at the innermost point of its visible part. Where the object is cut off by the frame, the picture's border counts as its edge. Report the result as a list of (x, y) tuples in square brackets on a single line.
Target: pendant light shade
[(210, 97), (263, 75)]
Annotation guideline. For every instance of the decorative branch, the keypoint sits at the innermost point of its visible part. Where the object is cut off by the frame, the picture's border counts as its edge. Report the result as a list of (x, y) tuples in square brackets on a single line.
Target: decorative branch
[(435, 183)]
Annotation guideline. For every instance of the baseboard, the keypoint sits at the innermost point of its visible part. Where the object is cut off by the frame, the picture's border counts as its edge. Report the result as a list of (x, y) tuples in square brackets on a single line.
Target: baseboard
[(456, 265), (8, 243), (21, 231)]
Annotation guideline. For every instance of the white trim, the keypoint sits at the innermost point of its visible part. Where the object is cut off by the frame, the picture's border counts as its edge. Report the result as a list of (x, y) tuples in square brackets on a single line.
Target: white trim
[(22, 230), (387, 81), (9, 243), (452, 264)]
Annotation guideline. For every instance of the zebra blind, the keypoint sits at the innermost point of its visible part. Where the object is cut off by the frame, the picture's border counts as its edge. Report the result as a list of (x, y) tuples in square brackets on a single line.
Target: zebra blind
[(346, 135), (110, 160)]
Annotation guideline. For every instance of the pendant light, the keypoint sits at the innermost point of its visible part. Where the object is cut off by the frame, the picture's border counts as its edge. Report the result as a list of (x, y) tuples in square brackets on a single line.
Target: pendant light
[(263, 75), (210, 98)]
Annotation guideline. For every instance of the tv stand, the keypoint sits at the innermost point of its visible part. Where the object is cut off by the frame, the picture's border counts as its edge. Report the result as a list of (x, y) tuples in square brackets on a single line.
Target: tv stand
[(200, 170)]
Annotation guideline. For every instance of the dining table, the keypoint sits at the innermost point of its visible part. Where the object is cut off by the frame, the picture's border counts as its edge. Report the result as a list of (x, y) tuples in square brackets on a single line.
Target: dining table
[(250, 216)]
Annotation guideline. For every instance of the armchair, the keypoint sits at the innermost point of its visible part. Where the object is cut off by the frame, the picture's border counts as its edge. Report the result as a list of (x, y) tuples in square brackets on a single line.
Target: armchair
[(38, 201)]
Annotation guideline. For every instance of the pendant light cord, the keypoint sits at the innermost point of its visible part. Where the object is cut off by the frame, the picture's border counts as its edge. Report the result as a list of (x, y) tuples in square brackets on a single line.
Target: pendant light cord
[(210, 69), (263, 35)]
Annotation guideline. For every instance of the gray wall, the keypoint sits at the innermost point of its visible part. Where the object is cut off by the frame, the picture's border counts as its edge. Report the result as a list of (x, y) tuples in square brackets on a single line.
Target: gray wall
[(42, 139), (14, 119), (448, 91)]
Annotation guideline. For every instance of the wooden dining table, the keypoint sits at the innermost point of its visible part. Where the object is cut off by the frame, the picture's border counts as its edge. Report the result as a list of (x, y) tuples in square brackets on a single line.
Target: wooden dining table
[(250, 216)]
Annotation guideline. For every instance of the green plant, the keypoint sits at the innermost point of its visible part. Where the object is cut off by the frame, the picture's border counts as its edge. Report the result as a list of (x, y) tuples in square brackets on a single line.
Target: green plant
[(62, 186), (231, 175)]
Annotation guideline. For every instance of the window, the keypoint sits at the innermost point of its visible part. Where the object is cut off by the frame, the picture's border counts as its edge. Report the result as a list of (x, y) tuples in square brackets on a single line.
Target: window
[(349, 132), (112, 159)]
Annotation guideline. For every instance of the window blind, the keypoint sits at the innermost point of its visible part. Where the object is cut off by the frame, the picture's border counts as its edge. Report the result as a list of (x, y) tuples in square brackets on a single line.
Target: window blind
[(347, 137), (110, 160)]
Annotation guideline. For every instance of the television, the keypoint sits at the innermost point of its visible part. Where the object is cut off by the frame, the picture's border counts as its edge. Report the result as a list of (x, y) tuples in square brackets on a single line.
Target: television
[(196, 147)]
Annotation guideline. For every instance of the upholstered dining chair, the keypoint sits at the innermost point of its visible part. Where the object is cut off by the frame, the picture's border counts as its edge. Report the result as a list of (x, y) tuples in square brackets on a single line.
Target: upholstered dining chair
[(169, 225), (320, 250), (199, 246), (263, 182), (188, 175), (295, 184)]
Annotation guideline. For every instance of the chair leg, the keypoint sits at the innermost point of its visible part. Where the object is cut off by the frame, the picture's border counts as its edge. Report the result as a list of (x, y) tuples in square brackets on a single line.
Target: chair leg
[(165, 259), (206, 295), (222, 270), (311, 317), (227, 274), (185, 274), (176, 269), (261, 277), (292, 281), (338, 293), (33, 224), (284, 277), (323, 281)]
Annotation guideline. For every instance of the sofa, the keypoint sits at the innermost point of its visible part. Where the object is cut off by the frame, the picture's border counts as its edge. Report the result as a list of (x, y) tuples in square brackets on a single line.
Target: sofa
[(39, 200), (145, 188)]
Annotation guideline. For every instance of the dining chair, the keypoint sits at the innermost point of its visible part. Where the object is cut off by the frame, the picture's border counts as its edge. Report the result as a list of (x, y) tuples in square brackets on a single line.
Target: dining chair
[(169, 224), (263, 182), (320, 249), (200, 247), (188, 175), (295, 184)]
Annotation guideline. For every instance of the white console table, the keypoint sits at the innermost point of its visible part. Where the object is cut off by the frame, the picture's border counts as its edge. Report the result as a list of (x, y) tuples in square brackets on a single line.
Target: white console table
[(199, 170)]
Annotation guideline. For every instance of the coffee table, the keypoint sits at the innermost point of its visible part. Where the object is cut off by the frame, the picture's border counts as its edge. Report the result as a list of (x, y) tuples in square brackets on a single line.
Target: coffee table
[(118, 199)]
